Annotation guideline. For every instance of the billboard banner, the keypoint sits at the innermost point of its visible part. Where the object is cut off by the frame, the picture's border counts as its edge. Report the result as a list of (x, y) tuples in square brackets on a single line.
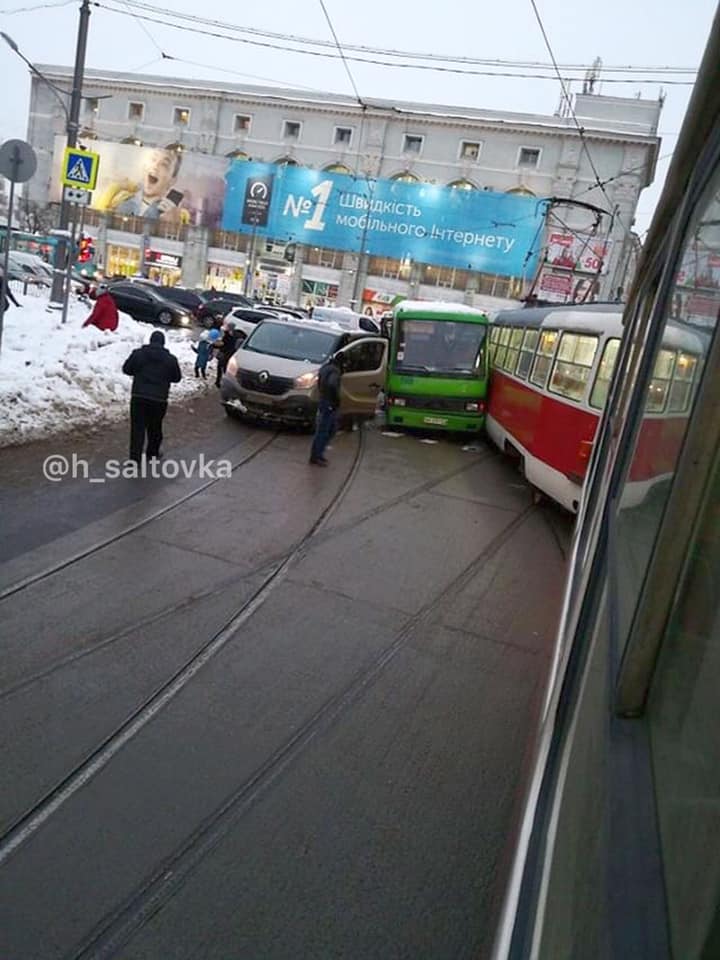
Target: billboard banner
[(155, 183), (579, 252), (470, 229)]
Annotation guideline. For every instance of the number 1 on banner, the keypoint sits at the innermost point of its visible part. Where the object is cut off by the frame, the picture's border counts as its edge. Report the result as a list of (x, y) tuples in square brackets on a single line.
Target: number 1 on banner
[(322, 192)]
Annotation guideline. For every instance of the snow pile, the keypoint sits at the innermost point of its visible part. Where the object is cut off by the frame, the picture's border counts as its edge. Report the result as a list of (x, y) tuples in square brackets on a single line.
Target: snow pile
[(56, 377)]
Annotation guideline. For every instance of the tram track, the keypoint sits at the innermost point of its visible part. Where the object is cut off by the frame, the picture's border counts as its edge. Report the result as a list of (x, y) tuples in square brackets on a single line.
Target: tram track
[(101, 544), (83, 772), (268, 564), (117, 927)]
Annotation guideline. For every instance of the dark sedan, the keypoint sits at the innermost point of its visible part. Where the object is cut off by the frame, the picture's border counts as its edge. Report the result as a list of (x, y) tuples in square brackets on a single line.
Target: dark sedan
[(220, 306), (143, 303)]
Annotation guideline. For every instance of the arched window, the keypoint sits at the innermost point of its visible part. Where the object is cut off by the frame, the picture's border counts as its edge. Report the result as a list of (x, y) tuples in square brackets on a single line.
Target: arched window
[(286, 162), (176, 146), (87, 134), (338, 168), (521, 191), (135, 141), (237, 155), (462, 185), (406, 177)]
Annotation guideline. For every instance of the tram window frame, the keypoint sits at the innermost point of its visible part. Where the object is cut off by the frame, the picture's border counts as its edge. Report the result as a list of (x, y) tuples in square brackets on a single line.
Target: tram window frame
[(601, 381), (513, 349), (544, 358), (681, 388), (494, 337), (502, 344), (659, 386), (527, 353), (565, 366)]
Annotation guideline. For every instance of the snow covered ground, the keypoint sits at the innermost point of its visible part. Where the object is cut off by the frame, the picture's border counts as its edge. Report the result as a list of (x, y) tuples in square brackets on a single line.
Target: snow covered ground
[(56, 377)]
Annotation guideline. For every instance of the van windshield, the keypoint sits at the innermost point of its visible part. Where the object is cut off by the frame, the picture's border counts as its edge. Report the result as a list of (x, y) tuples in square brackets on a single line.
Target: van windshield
[(291, 342)]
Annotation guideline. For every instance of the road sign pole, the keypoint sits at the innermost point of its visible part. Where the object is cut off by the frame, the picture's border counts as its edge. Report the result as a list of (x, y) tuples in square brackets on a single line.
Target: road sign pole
[(73, 126), (68, 270), (6, 260)]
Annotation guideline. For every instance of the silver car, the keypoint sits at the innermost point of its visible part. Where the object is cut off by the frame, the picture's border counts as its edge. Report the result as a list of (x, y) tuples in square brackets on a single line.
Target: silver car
[(273, 376)]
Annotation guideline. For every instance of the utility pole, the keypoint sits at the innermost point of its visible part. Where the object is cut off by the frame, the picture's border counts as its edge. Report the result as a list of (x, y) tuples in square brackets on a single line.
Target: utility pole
[(62, 251)]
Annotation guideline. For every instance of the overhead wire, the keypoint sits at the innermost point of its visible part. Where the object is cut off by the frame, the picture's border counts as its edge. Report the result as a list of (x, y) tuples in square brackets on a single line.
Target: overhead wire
[(341, 52), (390, 52), (37, 6), (323, 54)]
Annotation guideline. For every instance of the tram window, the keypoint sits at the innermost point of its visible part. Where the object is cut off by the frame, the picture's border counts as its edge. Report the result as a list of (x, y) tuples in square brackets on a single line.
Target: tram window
[(502, 347), (494, 335), (573, 365), (679, 398), (545, 351), (513, 349), (604, 374), (527, 352), (660, 383)]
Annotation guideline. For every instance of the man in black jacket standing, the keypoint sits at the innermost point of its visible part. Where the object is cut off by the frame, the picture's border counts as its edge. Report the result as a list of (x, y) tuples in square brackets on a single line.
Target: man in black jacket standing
[(153, 369), (329, 377)]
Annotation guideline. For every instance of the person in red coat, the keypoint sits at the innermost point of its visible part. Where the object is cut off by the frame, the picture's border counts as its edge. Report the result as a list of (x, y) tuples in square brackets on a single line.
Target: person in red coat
[(104, 314)]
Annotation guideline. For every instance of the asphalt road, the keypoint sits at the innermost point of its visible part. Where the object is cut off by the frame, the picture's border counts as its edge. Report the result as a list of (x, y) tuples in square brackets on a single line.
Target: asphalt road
[(289, 716)]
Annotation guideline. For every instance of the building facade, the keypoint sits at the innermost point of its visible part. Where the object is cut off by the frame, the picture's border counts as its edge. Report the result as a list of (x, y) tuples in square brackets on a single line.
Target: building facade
[(468, 149)]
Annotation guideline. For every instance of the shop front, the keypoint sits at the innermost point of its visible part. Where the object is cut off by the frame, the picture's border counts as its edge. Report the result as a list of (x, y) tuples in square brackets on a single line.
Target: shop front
[(164, 268), (318, 293)]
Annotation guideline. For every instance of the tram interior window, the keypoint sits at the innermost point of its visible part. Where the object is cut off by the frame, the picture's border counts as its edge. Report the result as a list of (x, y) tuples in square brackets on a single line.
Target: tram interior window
[(527, 352), (573, 365), (513, 349), (545, 351), (501, 352), (685, 743), (660, 383), (604, 374), (681, 386)]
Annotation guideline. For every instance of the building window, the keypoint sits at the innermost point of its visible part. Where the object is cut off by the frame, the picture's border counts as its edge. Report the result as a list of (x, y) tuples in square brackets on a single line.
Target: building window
[(529, 157), (241, 123), (338, 168), (133, 141), (291, 130), (237, 155), (412, 143), (406, 177), (462, 185), (92, 105), (343, 136), (181, 116), (286, 162), (469, 149), (136, 111)]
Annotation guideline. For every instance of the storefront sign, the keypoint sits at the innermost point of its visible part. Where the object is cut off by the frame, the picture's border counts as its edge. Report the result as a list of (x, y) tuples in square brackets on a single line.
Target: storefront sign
[(477, 230), (578, 252), (158, 258)]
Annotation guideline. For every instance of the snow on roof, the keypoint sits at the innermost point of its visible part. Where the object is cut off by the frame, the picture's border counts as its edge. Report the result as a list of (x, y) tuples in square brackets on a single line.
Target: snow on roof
[(440, 307)]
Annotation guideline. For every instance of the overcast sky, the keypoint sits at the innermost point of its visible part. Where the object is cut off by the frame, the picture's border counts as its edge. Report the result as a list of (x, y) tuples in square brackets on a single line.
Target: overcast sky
[(622, 32)]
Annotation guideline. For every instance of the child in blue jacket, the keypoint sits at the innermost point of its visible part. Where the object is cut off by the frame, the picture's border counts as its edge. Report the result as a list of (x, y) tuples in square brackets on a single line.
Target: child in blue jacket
[(203, 351)]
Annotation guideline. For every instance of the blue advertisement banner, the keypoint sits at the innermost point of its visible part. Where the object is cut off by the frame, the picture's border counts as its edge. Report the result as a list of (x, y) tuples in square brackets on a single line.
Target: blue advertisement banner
[(471, 229)]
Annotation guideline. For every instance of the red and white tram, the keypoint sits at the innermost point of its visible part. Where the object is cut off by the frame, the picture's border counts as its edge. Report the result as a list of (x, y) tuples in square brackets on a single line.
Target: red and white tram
[(550, 373)]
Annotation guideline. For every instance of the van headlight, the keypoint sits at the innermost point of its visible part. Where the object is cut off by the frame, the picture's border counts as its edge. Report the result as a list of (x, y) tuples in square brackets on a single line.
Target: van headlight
[(232, 367), (306, 380)]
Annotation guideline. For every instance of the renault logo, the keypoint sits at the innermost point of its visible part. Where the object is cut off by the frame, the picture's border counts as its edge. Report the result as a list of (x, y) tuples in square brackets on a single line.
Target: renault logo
[(263, 376)]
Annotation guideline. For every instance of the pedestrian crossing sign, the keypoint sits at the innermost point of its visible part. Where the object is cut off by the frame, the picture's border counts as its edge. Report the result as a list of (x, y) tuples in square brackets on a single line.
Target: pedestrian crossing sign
[(80, 168)]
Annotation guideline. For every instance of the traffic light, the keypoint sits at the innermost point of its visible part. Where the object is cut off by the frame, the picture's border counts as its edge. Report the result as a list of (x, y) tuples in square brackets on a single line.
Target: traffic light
[(86, 251)]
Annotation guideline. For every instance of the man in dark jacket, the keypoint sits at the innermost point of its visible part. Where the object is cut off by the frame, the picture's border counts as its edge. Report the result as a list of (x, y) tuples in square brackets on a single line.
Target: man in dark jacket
[(153, 369), (231, 340), (329, 378)]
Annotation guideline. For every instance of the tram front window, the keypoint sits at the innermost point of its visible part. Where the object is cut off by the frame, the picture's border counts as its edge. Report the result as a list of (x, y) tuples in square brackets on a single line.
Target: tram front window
[(440, 347)]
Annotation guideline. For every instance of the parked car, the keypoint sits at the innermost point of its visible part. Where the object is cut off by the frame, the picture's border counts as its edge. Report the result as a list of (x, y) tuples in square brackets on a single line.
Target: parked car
[(143, 303), (219, 307), (246, 319), (273, 376), (29, 268), (191, 300)]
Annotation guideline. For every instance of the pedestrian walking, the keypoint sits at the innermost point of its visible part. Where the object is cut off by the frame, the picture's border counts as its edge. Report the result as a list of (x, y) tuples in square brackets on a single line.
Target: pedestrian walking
[(203, 351), (104, 314), (9, 295), (329, 381), (153, 369), (225, 348)]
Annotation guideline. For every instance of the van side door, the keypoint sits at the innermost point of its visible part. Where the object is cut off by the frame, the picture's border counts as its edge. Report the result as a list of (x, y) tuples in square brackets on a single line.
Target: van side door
[(365, 365)]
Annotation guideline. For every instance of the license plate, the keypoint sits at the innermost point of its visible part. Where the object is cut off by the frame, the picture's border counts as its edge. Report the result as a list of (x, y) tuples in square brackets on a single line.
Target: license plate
[(436, 421)]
